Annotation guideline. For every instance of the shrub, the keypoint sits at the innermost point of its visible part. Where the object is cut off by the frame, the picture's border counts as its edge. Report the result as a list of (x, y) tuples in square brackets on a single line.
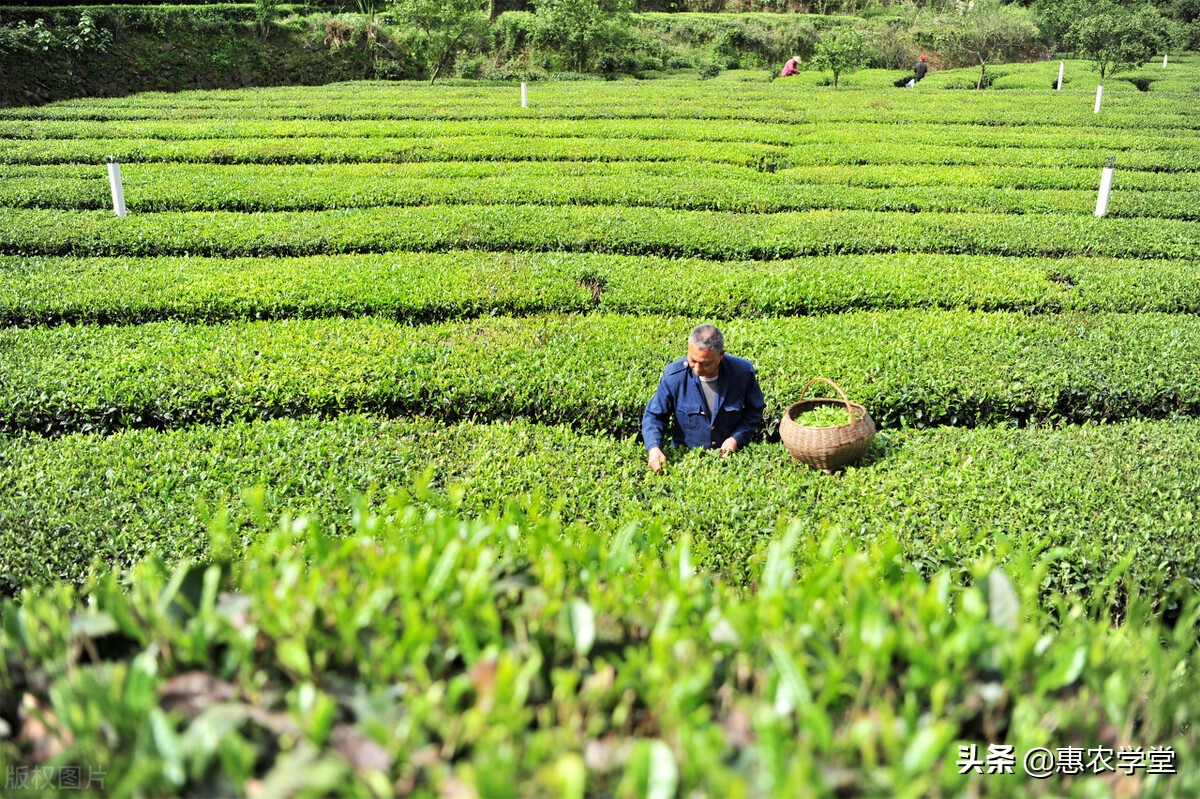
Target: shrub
[(390, 69)]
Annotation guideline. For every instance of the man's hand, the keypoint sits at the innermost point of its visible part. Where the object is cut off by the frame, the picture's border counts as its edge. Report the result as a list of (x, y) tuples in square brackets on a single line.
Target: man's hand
[(728, 446), (657, 461)]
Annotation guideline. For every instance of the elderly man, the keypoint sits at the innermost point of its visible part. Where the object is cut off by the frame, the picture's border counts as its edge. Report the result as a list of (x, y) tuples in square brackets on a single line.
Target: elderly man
[(714, 399)]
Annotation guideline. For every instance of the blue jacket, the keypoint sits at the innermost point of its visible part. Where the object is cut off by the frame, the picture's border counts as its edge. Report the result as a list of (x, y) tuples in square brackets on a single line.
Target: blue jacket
[(739, 414)]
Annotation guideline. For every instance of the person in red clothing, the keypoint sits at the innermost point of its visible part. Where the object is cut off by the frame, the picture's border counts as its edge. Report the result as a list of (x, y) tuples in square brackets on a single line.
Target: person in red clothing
[(792, 67)]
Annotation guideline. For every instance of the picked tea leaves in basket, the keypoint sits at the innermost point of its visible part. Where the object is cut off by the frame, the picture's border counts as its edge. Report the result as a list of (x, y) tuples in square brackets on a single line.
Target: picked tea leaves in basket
[(824, 432)]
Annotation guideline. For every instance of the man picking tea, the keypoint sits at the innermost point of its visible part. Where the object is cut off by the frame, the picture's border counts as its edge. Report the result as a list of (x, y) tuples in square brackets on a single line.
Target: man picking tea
[(713, 398)]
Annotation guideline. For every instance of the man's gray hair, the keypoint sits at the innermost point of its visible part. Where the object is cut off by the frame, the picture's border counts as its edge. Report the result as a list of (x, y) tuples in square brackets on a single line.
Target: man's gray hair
[(707, 337)]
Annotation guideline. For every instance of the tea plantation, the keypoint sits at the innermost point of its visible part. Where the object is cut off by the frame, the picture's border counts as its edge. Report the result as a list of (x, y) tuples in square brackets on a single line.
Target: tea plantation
[(319, 471)]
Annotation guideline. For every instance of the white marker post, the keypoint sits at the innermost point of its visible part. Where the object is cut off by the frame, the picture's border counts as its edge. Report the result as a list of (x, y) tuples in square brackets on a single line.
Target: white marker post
[(1099, 94), (118, 192), (1164, 60), (1106, 180), (1061, 65), (524, 96)]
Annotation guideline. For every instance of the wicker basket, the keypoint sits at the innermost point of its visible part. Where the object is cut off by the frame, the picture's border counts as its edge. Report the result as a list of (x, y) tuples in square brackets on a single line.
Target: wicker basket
[(826, 448)]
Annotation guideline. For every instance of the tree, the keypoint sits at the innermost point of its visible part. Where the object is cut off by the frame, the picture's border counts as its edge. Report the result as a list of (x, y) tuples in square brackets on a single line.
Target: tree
[(983, 31), (1117, 39), (577, 28), (839, 52), (1054, 18), (444, 27), (265, 13), (1187, 14)]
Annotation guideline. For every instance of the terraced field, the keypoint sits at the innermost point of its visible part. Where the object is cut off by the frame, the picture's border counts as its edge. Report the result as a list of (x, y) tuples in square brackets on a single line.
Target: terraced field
[(448, 259), (350, 289)]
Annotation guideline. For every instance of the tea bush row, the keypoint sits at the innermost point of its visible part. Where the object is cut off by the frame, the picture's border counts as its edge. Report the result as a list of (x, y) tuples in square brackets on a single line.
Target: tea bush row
[(424, 287), (595, 372), (32, 185), (532, 127), (305, 150), (515, 655), (1085, 496), (610, 229), (1027, 137), (1057, 136), (322, 188), (322, 150), (977, 175)]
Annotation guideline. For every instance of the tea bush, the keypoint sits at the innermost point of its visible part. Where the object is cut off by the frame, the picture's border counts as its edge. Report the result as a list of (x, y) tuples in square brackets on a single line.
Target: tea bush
[(913, 367), (612, 229), (429, 287), (324, 187), (518, 653)]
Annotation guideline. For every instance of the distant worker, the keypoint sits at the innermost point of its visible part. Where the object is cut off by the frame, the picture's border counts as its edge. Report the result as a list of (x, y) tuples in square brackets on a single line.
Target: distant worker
[(921, 69), (713, 399), (792, 67)]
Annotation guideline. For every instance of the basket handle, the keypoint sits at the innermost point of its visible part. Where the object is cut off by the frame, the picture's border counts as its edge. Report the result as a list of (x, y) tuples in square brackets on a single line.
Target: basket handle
[(846, 400)]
